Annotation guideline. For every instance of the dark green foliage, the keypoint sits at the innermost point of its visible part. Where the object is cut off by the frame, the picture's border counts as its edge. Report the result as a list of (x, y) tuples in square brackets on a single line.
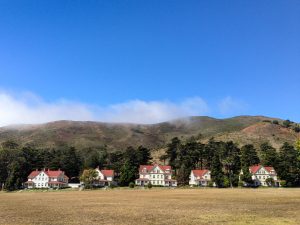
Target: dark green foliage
[(133, 158), (249, 156), (287, 123), (297, 129), (246, 176), (131, 185), (275, 122), (268, 155), (288, 167), (172, 151), (149, 185), (216, 171)]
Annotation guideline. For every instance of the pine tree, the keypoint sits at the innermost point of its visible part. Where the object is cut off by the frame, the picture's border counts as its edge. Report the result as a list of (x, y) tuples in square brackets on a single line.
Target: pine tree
[(216, 171), (249, 156), (288, 168), (268, 155)]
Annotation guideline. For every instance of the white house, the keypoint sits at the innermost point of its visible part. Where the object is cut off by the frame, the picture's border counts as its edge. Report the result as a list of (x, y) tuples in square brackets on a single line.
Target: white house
[(104, 177), (261, 173), (47, 179), (200, 177), (157, 175)]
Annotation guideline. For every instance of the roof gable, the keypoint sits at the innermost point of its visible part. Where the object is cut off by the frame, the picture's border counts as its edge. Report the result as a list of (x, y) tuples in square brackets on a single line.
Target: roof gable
[(149, 168), (199, 173), (107, 173)]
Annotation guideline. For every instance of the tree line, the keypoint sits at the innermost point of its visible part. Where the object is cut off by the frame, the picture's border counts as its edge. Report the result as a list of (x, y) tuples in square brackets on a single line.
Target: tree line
[(225, 160)]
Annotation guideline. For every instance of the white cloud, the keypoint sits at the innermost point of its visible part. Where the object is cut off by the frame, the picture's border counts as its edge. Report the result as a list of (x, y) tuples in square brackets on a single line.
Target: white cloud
[(229, 106), (31, 109)]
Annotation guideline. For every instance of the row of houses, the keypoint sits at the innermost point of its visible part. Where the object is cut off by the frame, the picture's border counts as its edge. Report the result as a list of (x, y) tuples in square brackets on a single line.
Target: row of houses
[(157, 175)]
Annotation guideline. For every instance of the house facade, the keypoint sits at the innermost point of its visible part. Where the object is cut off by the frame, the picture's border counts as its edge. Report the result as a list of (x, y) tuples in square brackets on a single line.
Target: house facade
[(200, 178), (47, 179), (157, 175), (260, 174), (104, 177)]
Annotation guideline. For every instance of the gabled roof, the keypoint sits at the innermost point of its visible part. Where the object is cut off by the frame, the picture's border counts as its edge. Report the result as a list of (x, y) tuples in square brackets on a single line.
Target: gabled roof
[(269, 169), (33, 174), (49, 173), (107, 173), (200, 173), (255, 168), (150, 167), (53, 173)]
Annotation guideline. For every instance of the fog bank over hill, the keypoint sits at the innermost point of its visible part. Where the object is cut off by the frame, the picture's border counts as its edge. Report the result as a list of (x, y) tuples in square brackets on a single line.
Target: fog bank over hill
[(242, 130)]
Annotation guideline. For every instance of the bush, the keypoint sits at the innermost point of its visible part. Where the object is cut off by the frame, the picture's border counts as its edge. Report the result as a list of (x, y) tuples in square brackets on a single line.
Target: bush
[(270, 182), (226, 182), (297, 129), (241, 184), (287, 123), (210, 184), (266, 121), (131, 185), (275, 122), (149, 185), (112, 185), (283, 183)]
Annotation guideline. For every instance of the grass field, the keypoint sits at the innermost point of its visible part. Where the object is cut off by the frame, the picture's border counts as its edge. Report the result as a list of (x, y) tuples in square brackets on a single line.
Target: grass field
[(156, 206)]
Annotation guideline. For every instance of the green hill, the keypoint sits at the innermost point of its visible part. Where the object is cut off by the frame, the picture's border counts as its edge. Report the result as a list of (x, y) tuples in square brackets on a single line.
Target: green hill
[(242, 130)]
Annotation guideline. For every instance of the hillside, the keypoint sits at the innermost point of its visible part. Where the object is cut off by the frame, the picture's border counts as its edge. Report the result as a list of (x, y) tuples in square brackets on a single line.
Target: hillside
[(243, 129)]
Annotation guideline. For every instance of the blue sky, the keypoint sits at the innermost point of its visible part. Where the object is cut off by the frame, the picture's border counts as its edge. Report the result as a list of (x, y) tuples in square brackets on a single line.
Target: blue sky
[(148, 61)]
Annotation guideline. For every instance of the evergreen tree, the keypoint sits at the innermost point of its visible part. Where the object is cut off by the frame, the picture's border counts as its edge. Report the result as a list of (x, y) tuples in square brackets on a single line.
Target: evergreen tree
[(288, 168), (216, 171), (249, 156), (143, 155), (268, 155)]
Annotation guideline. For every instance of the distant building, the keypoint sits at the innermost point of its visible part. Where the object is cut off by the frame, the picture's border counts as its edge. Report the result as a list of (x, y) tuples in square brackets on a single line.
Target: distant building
[(260, 174), (47, 179), (157, 175), (200, 177), (104, 177)]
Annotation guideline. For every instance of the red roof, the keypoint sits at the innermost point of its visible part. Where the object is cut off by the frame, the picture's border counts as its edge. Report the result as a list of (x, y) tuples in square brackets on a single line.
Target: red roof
[(150, 167), (255, 168), (49, 173), (53, 173), (34, 173), (199, 173), (107, 173), (269, 169)]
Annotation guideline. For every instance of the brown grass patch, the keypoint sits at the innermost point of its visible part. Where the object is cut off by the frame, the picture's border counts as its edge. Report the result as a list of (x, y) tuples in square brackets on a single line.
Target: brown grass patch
[(156, 206)]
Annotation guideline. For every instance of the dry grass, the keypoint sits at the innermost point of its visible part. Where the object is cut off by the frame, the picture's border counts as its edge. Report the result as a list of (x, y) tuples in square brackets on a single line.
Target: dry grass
[(156, 206)]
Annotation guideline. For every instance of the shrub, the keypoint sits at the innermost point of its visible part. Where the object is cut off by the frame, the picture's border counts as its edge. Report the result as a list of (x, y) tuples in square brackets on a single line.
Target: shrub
[(241, 184), (112, 185), (131, 185), (226, 182), (287, 123), (266, 121), (149, 185), (270, 182), (283, 183), (275, 122), (297, 129), (210, 184)]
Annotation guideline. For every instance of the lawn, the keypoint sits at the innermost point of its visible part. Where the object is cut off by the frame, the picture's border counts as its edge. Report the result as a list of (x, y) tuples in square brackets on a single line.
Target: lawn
[(155, 206)]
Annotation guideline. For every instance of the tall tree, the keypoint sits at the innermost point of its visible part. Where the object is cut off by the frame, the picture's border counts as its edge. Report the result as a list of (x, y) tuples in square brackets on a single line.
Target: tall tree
[(216, 171), (268, 155), (288, 168), (143, 155), (249, 156)]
